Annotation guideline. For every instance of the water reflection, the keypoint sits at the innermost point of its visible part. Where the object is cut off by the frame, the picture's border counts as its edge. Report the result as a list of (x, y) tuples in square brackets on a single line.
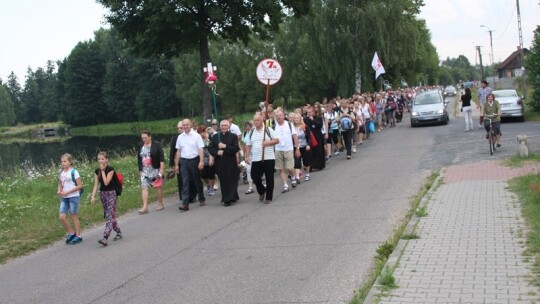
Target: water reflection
[(81, 147)]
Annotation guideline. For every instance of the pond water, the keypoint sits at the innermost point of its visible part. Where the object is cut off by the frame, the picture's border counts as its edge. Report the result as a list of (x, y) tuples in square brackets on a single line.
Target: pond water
[(81, 147)]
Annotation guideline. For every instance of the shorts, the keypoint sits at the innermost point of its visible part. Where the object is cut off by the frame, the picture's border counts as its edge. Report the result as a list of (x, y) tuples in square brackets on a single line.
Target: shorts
[(70, 204), (304, 159), (208, 172), (362, 129), (284, 160), (333, 137)]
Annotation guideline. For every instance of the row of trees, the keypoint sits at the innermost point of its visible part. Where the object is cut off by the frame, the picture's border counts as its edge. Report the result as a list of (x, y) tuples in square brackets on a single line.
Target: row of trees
[(325, 50)]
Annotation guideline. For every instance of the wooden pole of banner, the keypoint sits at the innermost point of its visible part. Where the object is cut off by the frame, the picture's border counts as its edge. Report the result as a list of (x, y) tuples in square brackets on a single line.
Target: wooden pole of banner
[(265, 114)]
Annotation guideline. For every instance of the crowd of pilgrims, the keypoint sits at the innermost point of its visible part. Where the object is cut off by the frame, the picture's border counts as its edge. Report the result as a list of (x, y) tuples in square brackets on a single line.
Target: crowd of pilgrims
[(322, 131)]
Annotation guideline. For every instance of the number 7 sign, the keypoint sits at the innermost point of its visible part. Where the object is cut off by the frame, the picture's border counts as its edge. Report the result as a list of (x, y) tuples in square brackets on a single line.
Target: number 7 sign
[(269, 71)]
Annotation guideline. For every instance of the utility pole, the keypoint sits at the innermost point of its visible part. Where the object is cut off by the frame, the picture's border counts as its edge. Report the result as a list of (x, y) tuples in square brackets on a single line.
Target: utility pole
[(481, 66), (490, 31), (522, 51)]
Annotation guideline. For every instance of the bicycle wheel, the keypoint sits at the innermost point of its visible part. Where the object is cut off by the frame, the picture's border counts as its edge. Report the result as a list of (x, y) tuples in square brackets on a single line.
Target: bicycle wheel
[(491, 143)]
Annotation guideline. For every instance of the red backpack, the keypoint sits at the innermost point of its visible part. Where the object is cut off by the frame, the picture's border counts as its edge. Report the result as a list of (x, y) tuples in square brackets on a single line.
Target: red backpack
[(119, 183)]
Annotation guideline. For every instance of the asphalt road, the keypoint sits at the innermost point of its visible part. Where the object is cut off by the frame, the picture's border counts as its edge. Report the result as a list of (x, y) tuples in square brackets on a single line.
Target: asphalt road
[(314, 244)]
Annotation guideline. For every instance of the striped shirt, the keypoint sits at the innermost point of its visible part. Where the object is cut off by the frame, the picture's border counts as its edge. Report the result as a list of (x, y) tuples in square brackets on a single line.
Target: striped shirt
[(255, 140)]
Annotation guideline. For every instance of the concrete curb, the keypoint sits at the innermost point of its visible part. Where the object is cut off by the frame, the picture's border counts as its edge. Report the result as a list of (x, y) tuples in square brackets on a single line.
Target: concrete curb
[(393, 260)]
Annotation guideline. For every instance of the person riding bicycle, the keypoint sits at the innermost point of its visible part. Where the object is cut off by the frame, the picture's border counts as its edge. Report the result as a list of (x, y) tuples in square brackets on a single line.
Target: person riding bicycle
[(492, 109)]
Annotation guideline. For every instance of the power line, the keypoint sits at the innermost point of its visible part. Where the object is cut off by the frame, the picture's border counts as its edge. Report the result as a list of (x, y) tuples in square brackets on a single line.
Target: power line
[(507, 25)]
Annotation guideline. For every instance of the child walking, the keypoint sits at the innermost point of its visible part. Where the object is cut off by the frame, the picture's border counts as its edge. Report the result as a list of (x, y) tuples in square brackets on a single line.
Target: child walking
[(105, 177), (69, 185)]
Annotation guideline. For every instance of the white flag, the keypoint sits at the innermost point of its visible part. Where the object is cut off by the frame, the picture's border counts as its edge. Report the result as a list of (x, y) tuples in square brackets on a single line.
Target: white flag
[(377, 66)]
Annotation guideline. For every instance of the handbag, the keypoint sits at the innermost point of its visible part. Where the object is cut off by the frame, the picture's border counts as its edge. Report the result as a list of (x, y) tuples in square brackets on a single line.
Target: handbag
[(371, 127), (314, 142)]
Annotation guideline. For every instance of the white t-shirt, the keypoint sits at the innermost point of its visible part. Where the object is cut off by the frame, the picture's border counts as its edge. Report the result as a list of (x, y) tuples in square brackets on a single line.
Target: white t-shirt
[(235, 130), (189, 144), (284, 133), (67, 182)]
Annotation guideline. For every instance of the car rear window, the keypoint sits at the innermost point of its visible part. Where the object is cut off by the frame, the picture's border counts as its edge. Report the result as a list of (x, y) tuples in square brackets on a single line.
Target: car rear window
[(505, 94), (427, 98)]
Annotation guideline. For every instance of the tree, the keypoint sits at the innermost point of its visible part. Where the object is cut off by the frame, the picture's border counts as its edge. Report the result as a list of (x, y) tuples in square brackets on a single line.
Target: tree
[(7, 112), (532, 64), (84, 72), (171, 28), (14, 90), (31, 97)]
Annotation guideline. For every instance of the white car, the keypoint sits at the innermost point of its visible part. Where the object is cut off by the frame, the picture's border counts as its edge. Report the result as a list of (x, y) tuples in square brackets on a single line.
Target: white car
[(511, 104)]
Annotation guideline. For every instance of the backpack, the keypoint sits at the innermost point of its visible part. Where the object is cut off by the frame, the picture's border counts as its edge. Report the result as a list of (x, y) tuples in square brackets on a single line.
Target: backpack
[(75, 182), (265, 128), (118, 183), (346, 123)]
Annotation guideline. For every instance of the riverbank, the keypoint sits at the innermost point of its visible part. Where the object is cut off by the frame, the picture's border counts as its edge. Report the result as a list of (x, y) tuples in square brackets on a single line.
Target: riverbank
[(24, 132), (29, 204), (165, 126)]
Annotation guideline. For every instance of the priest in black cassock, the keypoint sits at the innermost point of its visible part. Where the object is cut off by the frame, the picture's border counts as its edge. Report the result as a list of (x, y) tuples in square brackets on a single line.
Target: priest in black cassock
[(223, 148)]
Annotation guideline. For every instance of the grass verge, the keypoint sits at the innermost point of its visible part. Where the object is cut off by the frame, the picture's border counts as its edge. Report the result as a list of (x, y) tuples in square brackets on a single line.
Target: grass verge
[(384, 251), (517, 161), (528, 190), (29, 205)]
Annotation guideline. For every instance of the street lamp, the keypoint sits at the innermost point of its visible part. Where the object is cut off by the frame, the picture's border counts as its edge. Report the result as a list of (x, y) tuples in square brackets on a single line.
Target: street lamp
[(490, 42)]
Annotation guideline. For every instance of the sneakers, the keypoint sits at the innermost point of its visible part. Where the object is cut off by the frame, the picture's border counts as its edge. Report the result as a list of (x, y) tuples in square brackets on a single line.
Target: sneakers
[(480, 126), (261, 197), (69, 238), (348, 157), (211, 192), (294, 183), (216, 187), (267, 202), (336, 153), (249, 191), (285, 189), (103, 242), (353, 149), (75, 240), (306, 178), (117, 237)]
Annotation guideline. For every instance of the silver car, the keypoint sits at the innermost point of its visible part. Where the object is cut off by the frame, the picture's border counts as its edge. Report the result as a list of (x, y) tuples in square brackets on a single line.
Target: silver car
[(511, 104), (428, 108)]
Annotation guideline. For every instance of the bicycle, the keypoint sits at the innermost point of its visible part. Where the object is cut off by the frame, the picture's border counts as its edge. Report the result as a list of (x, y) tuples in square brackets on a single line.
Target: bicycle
[(491, 136)]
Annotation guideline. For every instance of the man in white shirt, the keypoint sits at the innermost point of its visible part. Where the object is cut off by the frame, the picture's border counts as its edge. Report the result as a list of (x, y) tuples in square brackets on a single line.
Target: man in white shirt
[(286, 149), (260, 154), (190, 155)]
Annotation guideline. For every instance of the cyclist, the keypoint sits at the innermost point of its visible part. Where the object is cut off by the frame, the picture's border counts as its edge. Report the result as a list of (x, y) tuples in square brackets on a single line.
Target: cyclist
[(492, 109)]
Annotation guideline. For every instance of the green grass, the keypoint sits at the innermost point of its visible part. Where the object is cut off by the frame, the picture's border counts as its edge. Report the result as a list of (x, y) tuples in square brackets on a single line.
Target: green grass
[(29, 204), (421, 211), (24, 131), (532, 116), (384, 250), (528, 190), (387, 280), (517, 161), (410, 236), (157, 126)]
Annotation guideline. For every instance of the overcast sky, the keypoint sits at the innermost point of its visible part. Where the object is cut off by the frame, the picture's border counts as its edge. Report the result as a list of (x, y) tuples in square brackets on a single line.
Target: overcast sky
[(34, 31)]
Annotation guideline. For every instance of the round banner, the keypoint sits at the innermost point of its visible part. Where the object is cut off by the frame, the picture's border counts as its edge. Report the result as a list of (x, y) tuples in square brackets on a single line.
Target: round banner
[(269, 71)]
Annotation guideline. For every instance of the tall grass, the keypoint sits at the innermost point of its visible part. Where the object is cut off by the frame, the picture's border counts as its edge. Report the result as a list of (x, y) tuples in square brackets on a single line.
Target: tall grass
[(29, 204), (528, 189)]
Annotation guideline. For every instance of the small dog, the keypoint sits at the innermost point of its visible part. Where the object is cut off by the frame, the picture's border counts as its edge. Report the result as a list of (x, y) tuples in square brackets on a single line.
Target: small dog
[(523, 146)]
